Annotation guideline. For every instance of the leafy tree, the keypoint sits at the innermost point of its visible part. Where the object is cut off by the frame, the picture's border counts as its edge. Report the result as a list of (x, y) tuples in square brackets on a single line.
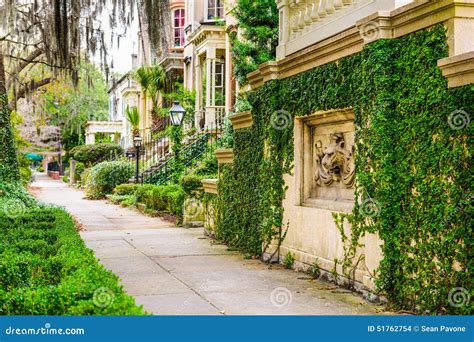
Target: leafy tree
[(47, 32), (61, 104), (152, 79), (258, 21), (133, 118)]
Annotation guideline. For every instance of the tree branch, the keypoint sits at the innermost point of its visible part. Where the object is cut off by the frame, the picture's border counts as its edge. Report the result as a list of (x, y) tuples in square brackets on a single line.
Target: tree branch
[(29, 88), (25, 61)]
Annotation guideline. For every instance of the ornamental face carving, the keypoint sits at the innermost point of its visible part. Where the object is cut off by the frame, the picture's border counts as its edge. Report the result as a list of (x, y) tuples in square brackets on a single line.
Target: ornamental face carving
[(334, 162)]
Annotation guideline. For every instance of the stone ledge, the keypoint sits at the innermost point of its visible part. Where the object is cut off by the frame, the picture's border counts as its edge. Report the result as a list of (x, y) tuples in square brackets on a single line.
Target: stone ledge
[(241, 120), (457, 15), (210, 185), (225, 155), (459, 70)]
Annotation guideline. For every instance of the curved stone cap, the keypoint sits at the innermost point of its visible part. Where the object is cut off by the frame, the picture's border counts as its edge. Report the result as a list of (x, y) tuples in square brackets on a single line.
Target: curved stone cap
[(459, 70), (210, 185), (241, 120), (225, 155)]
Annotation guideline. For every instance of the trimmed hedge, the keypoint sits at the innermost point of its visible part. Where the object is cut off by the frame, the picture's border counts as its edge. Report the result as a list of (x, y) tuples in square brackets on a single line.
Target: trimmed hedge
[(105, 176), (192, 182), (45, 269), (89, 154), (126, 189), (167, 198)]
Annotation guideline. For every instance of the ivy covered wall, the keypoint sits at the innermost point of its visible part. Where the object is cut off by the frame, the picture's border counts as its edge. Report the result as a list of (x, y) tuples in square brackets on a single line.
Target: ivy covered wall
[(413, 155)]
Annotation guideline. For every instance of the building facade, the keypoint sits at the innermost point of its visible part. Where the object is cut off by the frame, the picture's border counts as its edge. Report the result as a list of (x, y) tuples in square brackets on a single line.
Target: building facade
[(207, 59), (315, 36)]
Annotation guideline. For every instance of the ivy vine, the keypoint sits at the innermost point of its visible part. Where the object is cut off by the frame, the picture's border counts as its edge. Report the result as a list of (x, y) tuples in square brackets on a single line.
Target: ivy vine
[(413, 167)]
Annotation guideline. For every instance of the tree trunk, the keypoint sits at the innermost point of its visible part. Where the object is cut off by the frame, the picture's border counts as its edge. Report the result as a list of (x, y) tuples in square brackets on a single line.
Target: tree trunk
[(8, 158)]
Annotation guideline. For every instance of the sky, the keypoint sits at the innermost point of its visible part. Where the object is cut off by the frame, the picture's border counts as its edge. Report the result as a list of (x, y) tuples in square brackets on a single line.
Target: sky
[(122, 55)]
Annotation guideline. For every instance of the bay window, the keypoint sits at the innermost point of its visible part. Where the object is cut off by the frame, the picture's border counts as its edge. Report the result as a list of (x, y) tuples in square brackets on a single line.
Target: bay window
[(178, 27)]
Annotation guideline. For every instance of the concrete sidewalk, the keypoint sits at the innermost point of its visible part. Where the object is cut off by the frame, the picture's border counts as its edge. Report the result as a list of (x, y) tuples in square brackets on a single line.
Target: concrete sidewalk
[(177, 271)]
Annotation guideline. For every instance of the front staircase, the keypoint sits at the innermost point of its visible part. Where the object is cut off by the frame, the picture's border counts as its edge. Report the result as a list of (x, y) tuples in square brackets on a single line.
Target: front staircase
[(193, 148)]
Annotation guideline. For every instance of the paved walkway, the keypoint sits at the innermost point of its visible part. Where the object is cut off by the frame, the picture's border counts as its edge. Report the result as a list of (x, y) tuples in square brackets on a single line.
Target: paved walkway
[(177, 271)]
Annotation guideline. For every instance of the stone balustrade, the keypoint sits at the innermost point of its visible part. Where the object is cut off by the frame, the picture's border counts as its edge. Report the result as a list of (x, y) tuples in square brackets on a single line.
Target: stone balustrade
[(306, 22)]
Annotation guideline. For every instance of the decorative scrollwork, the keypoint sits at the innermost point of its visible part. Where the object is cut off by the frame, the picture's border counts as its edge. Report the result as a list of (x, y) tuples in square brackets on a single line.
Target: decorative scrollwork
[(334, 162)]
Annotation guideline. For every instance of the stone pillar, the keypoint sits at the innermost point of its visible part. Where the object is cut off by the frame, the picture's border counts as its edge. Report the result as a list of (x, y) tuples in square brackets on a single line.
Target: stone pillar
[(460, 35), (72, 171), (198, 87), (90, 138)]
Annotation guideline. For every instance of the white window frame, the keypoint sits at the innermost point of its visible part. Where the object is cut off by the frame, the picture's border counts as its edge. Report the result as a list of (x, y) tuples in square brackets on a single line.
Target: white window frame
[(180, 27), (206, 14)]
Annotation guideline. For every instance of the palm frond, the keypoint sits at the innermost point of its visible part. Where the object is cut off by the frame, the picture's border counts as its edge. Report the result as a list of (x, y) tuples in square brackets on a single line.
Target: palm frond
[(133, 117)]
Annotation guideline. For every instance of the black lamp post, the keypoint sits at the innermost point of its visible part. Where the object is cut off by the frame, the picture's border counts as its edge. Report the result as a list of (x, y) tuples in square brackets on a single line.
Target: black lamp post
[(177, 114), (137, 142)]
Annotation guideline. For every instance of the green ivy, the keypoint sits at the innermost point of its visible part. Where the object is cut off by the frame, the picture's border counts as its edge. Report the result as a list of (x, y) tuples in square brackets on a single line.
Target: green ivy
[(258, 22), (414, 185), (8, 159)]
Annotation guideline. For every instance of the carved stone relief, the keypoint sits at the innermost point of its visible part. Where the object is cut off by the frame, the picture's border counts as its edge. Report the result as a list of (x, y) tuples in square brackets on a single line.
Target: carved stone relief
[(334, 162), (324, 155), (333, 167)]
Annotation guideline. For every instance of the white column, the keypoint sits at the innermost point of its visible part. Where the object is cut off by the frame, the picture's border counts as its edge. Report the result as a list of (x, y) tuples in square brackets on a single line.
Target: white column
[(197, 87), (90, 138)]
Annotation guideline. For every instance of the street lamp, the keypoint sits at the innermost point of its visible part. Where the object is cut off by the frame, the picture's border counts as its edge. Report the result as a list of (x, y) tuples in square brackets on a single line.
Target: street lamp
[(137, 142), (177, 114)]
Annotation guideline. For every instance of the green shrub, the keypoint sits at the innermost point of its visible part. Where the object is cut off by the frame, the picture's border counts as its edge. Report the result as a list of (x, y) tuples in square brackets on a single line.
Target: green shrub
[(208, 166), (192, 182), (24, 168), (105, 176), (144, 194), (289, 260), (89, 154), (165, 198), (14, 199), (125, 200), (126, 189), (45, 269)]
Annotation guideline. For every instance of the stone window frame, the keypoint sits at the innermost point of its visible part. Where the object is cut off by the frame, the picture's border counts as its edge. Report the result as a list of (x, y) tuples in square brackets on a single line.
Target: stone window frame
[(303, 151)]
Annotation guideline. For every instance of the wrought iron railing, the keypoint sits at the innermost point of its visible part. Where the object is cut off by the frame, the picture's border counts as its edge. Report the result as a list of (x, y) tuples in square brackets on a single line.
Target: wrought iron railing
[(193, 148)]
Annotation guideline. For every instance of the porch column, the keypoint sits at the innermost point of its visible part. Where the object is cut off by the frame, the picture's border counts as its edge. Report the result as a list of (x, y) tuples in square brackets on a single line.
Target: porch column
[(198, 87), (90, 138), (210, 85)]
